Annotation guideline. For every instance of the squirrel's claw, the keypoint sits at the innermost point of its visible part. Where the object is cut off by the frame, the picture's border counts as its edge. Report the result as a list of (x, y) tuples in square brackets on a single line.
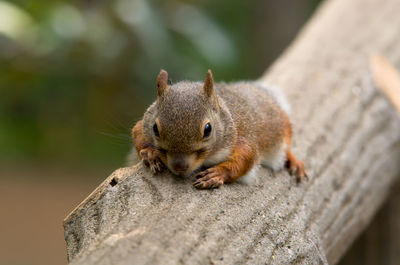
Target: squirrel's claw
[(156, 167), (208, 179), (151, 160), (296, 168)]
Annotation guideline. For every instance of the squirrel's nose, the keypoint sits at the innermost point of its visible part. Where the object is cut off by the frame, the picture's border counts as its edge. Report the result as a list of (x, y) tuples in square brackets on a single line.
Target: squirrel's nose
[(180, 166)]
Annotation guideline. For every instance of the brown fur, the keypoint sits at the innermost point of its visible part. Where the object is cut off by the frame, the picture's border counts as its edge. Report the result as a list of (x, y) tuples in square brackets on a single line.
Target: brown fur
[(146, 152), (244, 118), (238, 163), (295, 166)]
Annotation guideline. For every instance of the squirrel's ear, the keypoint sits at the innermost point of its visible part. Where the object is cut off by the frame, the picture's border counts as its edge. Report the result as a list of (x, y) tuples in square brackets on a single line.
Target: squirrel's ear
[(209, 84), (161, 83)]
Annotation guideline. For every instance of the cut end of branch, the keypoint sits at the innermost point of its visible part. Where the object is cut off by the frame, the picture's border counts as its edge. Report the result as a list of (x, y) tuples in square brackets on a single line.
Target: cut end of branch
[(386, 78)]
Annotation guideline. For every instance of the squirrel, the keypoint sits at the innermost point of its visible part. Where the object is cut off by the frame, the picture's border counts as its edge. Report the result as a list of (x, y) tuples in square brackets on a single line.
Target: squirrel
[(216, 132)]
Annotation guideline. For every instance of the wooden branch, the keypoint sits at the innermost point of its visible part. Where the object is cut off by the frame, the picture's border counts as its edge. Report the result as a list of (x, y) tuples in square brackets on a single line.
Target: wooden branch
[(347, 133), (386, 78), (380, 242)]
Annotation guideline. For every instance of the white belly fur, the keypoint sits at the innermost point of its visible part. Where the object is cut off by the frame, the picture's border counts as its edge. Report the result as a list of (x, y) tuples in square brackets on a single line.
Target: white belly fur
[(251, 176), (275, 159), (217, 158)]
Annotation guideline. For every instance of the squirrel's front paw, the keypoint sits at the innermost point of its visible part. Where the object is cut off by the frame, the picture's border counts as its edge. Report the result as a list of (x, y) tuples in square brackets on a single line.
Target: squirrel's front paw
[(152, 160), (209, 178)]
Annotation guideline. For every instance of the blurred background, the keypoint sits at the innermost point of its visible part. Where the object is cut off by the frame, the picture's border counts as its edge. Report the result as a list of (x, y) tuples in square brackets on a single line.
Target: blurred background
[(76, 75)]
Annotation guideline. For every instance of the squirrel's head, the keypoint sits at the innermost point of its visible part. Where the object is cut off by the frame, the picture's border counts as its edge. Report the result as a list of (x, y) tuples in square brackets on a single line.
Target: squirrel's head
[(186, 123)]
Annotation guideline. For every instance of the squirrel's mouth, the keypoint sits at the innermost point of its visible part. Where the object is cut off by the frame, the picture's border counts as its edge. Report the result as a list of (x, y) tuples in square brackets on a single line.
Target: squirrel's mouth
[(180, 173), (188, 172), (183, 165)]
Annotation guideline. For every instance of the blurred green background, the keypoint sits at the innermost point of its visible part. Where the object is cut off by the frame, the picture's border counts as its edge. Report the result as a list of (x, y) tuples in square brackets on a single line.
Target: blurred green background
[(76, 75)]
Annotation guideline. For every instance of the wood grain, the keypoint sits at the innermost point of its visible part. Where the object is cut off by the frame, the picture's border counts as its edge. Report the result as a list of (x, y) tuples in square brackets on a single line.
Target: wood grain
[(347, 133)]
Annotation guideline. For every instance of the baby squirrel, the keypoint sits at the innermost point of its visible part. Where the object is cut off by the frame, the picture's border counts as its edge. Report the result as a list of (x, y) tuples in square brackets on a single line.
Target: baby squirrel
[(216, 132)]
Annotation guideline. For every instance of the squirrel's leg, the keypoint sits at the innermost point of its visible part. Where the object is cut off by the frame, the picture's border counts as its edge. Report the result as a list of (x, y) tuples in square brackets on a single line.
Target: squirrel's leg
[(240, 161), (149, 155), (295, 166)]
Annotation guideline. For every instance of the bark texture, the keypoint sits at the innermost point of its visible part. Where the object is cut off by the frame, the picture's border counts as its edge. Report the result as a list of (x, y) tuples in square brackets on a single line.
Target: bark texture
[(380, 243), (345, 130)]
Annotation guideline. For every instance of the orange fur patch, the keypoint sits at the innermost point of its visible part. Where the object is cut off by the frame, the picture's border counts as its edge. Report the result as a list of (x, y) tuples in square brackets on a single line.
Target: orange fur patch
[(296, 167), (139, 138), (240, 161)]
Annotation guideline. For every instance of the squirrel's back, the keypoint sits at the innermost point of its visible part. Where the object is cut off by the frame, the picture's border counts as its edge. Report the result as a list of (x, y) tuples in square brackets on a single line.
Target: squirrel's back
[(260, 111)]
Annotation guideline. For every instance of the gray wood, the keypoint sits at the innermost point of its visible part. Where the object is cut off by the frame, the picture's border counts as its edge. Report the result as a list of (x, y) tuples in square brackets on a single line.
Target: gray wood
[(379, 244), (347, 133)]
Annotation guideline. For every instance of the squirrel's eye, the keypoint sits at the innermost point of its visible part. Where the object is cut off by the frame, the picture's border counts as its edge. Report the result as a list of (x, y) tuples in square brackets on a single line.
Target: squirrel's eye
[(207, 130), (155, 130)]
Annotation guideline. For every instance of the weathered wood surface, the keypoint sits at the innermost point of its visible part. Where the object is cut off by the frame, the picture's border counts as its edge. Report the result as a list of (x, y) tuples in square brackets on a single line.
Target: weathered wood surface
[(346, 131), (379, 244)]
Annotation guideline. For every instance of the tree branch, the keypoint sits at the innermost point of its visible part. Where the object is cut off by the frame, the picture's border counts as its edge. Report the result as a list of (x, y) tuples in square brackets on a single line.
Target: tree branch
[(345, 130)]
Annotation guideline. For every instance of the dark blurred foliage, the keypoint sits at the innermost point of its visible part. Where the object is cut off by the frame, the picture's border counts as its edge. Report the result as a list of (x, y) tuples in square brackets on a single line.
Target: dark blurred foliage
[(76, 75)]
